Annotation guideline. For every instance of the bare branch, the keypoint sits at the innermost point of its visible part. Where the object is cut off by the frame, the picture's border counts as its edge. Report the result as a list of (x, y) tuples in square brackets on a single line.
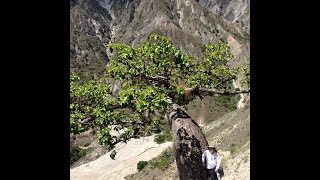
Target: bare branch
[(204, 91), (214, 91)]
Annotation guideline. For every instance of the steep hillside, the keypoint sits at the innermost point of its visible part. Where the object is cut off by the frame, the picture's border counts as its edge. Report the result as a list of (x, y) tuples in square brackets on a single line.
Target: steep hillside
[(235, 11), (190, 24)]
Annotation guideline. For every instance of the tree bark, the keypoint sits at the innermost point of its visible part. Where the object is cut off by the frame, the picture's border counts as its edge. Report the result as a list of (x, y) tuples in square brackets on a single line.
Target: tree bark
[(189, 144), (205, 91)]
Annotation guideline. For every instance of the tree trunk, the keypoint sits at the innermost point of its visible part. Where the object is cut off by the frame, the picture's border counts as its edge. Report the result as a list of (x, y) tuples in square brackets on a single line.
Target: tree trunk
[(189, 144)]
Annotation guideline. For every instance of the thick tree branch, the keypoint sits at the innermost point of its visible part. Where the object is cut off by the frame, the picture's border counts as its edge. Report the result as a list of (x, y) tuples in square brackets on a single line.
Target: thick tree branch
[(214, 91), (204, 91)]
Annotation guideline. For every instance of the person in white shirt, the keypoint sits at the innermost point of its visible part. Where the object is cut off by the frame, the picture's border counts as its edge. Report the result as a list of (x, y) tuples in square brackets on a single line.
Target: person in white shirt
[(211, 160)]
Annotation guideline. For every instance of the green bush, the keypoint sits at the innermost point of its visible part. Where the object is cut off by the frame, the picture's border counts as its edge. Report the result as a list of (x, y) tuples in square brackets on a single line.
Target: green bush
[(141, 165), (159, 138), (163, 137), (155, 123), (168, 135), (76, 153), (232, 148)]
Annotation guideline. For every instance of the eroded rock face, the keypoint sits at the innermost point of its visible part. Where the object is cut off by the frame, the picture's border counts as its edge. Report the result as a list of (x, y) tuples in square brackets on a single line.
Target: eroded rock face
[(236, 11), (89, 29)]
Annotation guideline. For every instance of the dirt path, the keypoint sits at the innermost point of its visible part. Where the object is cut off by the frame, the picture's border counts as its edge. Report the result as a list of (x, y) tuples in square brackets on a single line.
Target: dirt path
[(125, 163)]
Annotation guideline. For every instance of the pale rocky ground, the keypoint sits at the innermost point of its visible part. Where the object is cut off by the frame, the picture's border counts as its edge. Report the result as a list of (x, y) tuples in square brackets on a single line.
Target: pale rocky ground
[(237, 167), (125, 163)]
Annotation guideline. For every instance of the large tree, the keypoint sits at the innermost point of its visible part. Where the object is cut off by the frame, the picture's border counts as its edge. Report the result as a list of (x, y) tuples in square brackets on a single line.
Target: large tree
[(155, 78)]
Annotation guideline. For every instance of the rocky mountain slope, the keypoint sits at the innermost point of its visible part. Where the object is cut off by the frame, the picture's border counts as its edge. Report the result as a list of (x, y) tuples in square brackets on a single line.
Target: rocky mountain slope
[(235, 11), (190, 23)]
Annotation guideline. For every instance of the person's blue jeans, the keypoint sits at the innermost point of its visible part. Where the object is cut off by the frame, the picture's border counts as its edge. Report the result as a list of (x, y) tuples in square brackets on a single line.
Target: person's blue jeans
[(212, 174)]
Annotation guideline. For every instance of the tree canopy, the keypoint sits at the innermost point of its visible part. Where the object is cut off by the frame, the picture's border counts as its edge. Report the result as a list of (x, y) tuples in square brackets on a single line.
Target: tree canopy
[(150, 76)]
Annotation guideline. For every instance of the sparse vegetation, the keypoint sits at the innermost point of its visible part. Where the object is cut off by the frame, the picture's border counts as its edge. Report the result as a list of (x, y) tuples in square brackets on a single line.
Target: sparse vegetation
[(240, 145), (141, 165), (147, 131), (159, 163), (159, 138), (163, 136), (232, 148), (230, 102), (155, 124), (164, 160), (76, 153)]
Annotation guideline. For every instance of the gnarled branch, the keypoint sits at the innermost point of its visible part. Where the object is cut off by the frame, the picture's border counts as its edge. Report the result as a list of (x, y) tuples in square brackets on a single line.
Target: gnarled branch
[(214, 91), (204, 91)]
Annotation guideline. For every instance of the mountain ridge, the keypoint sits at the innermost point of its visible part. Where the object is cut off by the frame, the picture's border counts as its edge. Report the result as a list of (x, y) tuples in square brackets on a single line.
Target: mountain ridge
[(190, 24)]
